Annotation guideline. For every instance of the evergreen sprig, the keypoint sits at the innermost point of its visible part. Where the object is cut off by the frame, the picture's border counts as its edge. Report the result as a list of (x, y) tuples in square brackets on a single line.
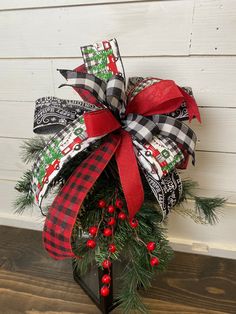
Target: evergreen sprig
[(32, 147), (25, 199), (24, 184), (209, 207), (206, 208)]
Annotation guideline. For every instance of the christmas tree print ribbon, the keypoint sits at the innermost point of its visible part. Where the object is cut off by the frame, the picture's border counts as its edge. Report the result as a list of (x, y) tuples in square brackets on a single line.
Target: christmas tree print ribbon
[(103, 59), (141, 122)]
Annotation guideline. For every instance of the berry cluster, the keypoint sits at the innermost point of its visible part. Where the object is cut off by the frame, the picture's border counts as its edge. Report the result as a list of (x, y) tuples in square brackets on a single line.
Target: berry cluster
[(113, 212), (111, 215)]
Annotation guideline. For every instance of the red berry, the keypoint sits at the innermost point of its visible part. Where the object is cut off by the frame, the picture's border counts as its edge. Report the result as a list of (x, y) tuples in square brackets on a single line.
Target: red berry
[(104, 291), (91, 244), (154, 261), (151, 246), (107, 232), (106, 263), (122, 215), (111, 221), (133, 223), (119, 203), (93, 230), (106, 279), (111, 209), (112, 248), (101, 203)]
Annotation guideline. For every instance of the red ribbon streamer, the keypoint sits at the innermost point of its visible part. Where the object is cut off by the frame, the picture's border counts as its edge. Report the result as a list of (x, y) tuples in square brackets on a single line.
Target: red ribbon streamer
[(129, 174), (101, 122), (64, 210)]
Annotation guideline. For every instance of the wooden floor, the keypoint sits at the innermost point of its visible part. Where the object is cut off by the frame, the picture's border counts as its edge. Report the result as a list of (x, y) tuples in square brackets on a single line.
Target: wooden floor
[(32, 283)]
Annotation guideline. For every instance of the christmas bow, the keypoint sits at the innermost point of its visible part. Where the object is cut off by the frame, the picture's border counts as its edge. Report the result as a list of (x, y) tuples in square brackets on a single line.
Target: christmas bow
[(140, 127)]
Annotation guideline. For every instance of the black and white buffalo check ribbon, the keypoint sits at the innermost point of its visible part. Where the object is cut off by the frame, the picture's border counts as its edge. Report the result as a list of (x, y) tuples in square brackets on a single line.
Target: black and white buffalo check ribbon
[(111, 94)]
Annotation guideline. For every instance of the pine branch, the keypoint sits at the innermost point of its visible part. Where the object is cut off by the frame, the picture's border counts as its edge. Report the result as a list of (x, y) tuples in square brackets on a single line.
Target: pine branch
[(129, 298), (32, 147), (26, 199), (24, 184), (83, 264), (130, 250), (188, 190), (209, 207), (206, 208), (139, 272)]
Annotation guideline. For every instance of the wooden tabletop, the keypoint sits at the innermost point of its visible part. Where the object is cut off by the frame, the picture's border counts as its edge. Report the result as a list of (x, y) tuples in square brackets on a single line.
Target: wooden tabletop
[(32, 283)]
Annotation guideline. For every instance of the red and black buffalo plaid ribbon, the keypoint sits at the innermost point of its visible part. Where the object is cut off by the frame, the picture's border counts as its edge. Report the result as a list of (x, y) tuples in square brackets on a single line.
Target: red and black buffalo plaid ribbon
[(64, 210)]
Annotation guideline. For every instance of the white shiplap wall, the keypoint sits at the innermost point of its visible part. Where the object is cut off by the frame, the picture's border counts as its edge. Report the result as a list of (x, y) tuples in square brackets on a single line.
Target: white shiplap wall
[(192, 42)]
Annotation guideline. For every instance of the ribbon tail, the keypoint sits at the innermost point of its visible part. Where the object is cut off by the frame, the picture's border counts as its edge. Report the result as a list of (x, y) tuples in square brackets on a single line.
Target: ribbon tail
[(62, 215), (164, 181), (191, 105), (85, 81), (84, 94), (129, 174), (167, 190)]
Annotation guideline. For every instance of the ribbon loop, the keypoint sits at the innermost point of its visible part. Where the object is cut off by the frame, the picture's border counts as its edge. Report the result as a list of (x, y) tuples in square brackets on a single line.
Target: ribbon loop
[(151, 96), (177, 131), (115, 94), (52, 114), (158, 98)]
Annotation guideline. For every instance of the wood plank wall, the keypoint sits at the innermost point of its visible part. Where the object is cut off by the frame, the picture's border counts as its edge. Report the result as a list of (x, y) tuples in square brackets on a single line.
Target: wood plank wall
[(190, 41)]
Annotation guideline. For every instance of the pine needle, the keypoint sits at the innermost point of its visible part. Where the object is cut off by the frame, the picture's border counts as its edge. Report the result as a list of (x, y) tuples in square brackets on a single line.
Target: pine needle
[(32, 147), (209, 207), (206, 208), (188, 190), (130, 301), (24, 184), (26, 200)]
